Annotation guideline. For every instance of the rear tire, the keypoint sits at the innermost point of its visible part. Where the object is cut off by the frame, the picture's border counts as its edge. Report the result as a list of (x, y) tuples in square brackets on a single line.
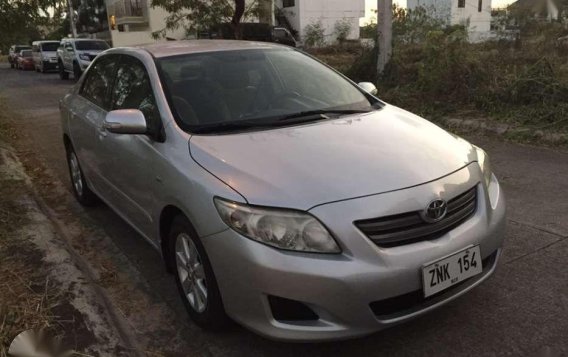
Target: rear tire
[(81, 189), (62, 74), (194, 276)]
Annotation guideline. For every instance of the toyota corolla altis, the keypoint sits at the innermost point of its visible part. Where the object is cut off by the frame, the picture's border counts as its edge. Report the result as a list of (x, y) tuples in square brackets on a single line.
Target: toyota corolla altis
[(281, 194)]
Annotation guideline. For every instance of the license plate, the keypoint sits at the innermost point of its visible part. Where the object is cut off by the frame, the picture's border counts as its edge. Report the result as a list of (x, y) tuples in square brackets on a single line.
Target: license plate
[(453, 269)]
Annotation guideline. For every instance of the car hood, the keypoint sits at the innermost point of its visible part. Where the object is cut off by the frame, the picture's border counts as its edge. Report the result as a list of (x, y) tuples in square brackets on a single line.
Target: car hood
[(304, 166)]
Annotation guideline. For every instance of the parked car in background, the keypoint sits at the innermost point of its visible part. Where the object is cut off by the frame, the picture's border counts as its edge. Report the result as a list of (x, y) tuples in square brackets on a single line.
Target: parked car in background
[(279, 192), (14, 52), (25, 60), (45, 55), (74, 55), (251, 32)]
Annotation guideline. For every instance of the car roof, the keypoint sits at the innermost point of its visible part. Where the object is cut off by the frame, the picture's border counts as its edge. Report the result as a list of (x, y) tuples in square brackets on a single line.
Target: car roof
[(81, 39), (174, 48), (45, 41)]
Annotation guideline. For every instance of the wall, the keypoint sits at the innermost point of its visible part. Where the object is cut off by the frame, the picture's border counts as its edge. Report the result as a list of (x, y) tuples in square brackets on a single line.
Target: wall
[(440, 9), (306, 12), (448, 10), (478, 21)]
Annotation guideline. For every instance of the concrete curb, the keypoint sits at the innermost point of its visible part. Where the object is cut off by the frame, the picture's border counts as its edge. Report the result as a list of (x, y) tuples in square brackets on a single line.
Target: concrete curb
[(52, 238)]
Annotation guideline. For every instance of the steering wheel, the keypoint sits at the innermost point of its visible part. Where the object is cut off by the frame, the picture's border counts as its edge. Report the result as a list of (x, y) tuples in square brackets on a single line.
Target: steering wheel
[(185, 111)]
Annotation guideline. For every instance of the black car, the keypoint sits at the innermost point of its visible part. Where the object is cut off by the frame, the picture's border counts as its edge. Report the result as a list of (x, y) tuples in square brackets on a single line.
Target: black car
[(251, 32)]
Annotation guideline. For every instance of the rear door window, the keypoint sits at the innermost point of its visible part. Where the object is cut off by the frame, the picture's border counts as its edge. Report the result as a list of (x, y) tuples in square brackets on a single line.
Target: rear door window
[(98, 81)]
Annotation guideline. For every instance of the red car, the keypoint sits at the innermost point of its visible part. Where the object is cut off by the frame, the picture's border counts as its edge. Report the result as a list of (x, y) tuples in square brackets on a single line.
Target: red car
[(25, 60)]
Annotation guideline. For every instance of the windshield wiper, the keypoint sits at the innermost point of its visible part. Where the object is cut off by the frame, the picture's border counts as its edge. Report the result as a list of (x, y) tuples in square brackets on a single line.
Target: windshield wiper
[(296, 118), (322, 113), (233, 126)]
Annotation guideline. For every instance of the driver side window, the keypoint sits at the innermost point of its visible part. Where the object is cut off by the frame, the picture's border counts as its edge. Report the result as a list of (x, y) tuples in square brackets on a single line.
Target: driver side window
[(132, 90)]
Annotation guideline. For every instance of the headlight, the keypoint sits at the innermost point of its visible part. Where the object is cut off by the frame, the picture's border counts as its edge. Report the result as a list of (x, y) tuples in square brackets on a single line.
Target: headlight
[(282, 229), (84, 57), (483, 160)]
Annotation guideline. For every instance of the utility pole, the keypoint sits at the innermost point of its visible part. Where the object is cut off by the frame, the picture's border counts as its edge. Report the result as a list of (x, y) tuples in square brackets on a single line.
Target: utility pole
[(384, 29), (72, 19)]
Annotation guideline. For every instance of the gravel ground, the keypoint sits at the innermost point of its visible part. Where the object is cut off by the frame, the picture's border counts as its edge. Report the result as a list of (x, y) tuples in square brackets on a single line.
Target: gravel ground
[(521, 310)]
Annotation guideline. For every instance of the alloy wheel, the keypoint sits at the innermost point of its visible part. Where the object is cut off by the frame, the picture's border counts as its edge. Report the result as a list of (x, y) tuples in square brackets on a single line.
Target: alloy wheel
[(191, 272), (76, 174)]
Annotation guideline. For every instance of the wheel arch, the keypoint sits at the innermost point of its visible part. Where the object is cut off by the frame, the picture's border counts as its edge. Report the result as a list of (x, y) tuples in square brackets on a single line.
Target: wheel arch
[(67, 142), (167, 216)]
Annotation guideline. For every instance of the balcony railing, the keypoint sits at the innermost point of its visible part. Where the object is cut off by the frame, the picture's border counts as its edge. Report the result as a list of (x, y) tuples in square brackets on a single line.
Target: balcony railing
[(129, 11)]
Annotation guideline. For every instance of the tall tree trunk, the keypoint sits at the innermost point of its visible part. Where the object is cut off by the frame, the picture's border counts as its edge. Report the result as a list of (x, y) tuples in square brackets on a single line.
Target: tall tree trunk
[(384, 28), (239, 12)]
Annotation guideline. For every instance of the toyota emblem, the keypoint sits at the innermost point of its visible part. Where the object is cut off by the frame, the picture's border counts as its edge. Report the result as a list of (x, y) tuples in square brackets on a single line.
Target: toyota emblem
[(435, 211)]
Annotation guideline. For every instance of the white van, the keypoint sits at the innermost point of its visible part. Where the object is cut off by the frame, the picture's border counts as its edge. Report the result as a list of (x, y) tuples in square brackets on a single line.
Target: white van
[(45, 55)]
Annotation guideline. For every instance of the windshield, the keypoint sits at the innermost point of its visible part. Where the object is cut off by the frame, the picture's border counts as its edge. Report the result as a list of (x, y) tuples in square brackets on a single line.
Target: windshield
[(49, 46), (26, 53), (222, 91), (20, 48), (91, 45)]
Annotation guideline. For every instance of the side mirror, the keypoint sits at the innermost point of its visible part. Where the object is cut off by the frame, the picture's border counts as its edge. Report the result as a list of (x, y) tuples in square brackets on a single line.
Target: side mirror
[(125, 121), (369, 88)]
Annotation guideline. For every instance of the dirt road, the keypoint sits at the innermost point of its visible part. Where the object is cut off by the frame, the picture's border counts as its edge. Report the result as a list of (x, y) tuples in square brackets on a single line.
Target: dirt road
[(521, 310)]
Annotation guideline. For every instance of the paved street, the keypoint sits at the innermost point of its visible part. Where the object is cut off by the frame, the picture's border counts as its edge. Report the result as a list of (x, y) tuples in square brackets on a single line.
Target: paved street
[(521, 310)]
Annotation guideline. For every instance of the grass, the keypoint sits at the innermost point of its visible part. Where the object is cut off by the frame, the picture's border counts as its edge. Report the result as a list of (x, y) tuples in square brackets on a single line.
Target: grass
[(440, 75), (27, 296)]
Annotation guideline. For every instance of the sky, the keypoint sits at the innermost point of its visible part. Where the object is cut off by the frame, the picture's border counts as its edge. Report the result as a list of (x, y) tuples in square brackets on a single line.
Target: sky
[(372, 5)]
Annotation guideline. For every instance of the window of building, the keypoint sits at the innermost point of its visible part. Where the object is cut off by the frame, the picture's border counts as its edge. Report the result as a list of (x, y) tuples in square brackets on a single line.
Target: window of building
[(288, 3), (479, 5), (461, 3)]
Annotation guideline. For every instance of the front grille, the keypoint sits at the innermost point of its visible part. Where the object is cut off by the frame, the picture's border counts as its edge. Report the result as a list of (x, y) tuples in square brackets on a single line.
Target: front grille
[(414, 301), (406, 228)]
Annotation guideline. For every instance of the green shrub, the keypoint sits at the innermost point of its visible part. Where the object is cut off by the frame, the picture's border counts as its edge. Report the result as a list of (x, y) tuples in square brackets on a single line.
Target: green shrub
[(314, 35), (435, 71), (341, 30)]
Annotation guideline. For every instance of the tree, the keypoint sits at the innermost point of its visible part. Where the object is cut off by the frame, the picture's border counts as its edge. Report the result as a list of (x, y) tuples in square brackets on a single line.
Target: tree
[(201, 15), (92, 16), (22, 21)]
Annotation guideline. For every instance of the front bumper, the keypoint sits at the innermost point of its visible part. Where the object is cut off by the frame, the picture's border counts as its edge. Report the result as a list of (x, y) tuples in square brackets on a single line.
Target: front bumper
[(347, 291), (49, 65), (83, 64)]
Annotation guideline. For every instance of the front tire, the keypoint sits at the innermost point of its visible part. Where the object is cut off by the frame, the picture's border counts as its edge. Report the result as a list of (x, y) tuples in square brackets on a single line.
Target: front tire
[(62, 74), (76, 71), (194, 276), (81, 189)]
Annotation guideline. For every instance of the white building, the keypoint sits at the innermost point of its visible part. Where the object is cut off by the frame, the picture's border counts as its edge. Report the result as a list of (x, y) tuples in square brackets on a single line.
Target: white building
[(476, 14), (301, 13), (136, 20)]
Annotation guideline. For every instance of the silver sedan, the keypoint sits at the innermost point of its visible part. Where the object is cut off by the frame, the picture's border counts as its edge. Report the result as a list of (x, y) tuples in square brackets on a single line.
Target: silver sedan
[(281, 194)]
